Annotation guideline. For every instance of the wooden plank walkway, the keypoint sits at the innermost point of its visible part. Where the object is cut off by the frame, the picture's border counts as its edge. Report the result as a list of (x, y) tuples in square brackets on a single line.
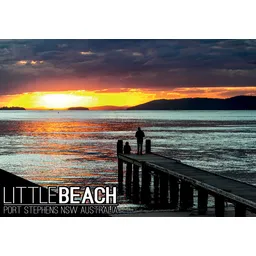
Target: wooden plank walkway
[(241, 194)]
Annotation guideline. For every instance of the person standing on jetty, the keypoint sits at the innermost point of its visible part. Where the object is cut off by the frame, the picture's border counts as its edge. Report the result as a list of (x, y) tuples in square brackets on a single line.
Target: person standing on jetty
[(139, 135)]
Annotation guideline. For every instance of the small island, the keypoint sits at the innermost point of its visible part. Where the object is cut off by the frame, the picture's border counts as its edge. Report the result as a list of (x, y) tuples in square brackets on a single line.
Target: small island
[(12, 108), (108, 107), (78, 108)]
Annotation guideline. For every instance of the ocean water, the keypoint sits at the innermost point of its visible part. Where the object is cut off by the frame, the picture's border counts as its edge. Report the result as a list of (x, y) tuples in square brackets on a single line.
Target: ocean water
[(79, 147)]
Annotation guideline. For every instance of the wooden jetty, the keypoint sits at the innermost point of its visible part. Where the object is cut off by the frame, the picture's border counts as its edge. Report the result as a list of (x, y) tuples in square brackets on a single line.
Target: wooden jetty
[(174, 183)]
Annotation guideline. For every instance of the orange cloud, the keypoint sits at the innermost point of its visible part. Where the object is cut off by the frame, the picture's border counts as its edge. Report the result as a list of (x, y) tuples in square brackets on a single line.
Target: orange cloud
[(32, 62), (87, 53), (22, 62)]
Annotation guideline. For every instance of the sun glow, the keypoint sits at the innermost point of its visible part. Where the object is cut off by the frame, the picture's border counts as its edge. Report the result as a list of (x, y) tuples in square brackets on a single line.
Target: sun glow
[(59, 101)]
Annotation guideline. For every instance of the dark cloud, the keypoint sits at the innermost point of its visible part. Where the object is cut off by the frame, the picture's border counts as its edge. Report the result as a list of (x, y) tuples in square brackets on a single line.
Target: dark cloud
[(127, 63)]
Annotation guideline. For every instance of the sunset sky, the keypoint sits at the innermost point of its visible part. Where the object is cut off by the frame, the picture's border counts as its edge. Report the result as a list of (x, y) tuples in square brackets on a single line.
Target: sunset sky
[(42, 74)]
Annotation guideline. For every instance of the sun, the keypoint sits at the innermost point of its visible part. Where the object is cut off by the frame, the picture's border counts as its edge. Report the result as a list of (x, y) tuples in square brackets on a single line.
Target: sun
[(61, 101)]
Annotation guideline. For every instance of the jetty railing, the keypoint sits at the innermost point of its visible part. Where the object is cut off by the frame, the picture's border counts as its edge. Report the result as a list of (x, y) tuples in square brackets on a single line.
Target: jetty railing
[(173, 184)]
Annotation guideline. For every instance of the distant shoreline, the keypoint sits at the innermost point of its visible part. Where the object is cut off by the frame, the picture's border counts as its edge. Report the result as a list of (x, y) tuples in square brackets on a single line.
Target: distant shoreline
[(78, 108), (12, 108), (234, 103)]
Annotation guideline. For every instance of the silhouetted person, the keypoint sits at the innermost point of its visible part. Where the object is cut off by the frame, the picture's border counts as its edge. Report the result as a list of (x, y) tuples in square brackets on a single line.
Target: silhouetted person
[(127, 148), (139, 135)]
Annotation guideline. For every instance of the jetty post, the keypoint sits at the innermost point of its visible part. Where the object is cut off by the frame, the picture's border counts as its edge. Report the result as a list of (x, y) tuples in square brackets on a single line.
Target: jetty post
[(120, 166), (163, 189), (219, 206), (136, 184), (240, 210), (186, 195), (148, 146), (174, 192), (145, 186), (128, 180), (202, 201), (156, 187)]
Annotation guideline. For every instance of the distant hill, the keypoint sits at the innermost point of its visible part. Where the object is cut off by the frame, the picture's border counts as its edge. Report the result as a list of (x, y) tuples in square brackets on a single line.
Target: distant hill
[(78, 108), (109, 108), (12, 108), (234, 103)]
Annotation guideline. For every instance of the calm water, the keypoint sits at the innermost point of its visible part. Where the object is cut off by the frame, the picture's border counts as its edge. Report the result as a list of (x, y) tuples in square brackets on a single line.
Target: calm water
[(79, 147)]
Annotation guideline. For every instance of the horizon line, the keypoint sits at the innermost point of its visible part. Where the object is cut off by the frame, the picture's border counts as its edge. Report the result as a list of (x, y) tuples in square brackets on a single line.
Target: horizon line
[(114, 106)]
